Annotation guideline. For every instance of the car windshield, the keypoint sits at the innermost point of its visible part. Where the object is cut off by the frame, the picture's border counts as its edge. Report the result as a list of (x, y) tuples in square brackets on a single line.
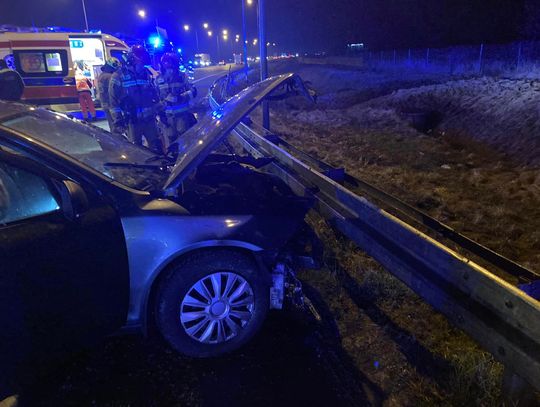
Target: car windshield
[(111, 155)]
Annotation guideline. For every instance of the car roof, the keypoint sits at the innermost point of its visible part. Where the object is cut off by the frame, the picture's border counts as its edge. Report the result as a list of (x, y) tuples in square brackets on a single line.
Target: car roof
[(10, 109)]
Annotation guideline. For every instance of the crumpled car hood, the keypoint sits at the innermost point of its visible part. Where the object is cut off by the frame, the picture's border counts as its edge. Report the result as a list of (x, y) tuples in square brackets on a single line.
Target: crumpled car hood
[(197, 143)]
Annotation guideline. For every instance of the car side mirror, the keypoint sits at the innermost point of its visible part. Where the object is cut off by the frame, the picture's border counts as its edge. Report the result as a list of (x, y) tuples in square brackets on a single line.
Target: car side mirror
[(74, 200)]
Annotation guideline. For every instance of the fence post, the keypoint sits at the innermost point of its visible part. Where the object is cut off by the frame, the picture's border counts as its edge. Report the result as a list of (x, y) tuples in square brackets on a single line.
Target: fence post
[(480, 58)]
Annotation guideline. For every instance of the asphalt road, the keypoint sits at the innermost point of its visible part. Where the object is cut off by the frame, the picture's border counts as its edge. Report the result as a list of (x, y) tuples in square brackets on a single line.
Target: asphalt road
[(205, 77)]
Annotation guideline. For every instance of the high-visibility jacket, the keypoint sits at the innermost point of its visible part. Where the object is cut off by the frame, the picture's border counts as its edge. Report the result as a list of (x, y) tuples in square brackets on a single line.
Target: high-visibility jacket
[(82, 82), (11, 85), (174, 93), (132, 96)]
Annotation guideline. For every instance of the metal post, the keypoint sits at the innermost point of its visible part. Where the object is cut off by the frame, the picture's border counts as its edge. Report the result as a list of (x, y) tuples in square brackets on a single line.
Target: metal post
[(244, 34), (264, 62), (197, 40), (218, 47), (85, 18)]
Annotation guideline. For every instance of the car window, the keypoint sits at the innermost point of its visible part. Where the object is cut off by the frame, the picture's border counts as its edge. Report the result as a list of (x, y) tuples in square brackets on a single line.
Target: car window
[(92, 146), (23, 195)]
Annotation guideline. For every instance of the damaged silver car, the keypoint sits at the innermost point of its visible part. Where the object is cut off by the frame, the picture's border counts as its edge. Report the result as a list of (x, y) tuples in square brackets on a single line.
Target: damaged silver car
[(97, 234)]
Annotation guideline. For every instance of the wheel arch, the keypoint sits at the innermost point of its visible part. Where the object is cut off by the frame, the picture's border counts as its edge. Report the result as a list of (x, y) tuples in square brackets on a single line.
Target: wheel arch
[(246, 249)]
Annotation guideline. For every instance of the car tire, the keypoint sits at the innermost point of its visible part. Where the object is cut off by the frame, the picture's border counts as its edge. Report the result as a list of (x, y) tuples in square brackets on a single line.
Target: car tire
[(198, 273)]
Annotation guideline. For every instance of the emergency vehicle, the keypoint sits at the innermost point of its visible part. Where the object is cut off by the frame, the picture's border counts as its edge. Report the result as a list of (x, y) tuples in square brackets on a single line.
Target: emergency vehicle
[(46, 60)]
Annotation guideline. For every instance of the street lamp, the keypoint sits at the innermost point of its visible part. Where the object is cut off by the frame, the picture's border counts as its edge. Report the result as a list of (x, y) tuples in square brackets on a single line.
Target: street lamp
[(264, 62), (84, 12), (141, 13), (187, 29), (205, 26), (244, 33)]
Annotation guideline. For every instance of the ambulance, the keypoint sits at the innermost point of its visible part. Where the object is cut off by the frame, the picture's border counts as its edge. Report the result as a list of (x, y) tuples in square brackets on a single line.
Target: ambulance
[(46, 60)]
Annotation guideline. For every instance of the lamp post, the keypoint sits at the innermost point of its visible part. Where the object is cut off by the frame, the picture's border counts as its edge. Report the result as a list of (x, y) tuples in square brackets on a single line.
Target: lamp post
[(263, 61), (186, 29), (85, 17), (244, 34)]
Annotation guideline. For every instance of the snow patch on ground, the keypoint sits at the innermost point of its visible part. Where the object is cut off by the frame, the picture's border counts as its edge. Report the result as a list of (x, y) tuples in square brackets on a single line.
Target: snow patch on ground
[(503, 113)]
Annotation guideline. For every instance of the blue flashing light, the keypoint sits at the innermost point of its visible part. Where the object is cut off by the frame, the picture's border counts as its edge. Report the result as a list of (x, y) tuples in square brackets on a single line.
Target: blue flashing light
[(179, 50), (155, 40)]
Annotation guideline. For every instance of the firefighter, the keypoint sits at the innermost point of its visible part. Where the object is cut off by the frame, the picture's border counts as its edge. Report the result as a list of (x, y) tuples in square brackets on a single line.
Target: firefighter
[(11, 83), (134, 101), (175, 93), (107, 70)]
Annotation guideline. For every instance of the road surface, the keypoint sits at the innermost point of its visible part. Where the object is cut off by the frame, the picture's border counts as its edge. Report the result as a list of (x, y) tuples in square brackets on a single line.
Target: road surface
[(205, 77)]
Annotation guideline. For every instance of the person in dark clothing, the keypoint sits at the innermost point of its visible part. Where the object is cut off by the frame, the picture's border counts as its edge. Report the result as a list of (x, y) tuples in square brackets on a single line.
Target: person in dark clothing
[(134, 101), (11, 83), (112, 65), (175, 94)]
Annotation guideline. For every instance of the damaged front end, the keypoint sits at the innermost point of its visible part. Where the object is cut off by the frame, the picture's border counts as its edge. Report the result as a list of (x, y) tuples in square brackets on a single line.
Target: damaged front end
[(211, 179)]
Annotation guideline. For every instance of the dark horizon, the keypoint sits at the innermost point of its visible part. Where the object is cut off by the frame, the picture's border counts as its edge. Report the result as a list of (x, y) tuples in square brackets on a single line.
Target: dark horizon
[(303, 25)]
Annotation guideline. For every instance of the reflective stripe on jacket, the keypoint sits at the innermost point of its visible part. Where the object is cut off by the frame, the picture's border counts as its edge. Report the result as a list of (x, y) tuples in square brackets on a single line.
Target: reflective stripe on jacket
[(132, 96), (103, 88), (174, 93)]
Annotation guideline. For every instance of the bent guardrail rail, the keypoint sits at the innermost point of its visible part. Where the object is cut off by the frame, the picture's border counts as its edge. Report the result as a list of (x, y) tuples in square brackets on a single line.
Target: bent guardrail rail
[(503, 319)]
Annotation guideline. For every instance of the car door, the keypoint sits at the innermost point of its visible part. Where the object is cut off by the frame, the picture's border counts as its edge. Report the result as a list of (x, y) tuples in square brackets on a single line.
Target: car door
[(64, 279)]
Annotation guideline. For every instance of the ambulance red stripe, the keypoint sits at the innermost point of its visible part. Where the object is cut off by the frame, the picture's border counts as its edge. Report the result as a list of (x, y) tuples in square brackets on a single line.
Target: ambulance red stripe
[(49, 92)]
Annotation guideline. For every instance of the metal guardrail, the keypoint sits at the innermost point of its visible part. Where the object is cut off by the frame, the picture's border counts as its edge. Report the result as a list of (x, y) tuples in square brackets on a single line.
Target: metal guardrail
[(500, 317)]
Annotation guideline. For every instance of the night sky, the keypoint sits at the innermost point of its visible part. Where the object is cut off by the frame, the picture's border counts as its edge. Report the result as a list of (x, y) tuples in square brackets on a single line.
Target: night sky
[(296, 25)]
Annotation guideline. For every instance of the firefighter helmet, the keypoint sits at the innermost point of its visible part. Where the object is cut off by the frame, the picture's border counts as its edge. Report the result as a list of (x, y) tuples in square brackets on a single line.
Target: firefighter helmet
[(114, 63), (170, 60), (137, 53)]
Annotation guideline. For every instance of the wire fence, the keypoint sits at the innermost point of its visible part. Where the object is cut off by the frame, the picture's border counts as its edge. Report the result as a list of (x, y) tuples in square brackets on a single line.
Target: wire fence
[(480, 59)]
